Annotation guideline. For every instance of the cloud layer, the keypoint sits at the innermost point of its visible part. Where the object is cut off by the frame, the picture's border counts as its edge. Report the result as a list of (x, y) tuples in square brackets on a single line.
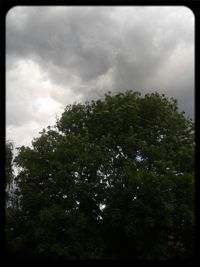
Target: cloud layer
[(58, 55)]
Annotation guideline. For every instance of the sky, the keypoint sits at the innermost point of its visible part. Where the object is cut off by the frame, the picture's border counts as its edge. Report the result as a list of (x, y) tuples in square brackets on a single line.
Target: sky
[(59, 55)]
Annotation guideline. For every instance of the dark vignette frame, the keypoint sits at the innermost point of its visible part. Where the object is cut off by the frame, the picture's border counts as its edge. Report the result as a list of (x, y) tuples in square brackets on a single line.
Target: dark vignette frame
[(5, 6)]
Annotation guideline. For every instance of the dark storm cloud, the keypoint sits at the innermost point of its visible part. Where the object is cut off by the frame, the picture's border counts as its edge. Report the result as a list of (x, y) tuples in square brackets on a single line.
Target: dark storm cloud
[(72, 40), (88, 41)]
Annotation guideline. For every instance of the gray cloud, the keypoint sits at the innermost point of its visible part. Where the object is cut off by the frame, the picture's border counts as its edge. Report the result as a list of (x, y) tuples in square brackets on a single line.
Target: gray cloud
[(82, 52)]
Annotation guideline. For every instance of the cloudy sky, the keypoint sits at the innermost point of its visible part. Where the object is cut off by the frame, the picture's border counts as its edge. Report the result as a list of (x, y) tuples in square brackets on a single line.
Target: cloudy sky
[(58, 55)]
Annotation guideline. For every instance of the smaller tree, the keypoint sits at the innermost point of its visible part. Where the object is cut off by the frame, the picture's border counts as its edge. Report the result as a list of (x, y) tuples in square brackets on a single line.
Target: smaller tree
[(9, 170)]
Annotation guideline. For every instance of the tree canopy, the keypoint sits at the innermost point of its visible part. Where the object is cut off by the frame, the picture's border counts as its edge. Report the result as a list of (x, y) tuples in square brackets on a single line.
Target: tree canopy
[(9, 172), (113, 179)]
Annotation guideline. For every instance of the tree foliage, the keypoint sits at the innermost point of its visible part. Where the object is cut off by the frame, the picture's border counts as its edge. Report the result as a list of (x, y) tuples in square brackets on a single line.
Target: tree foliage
[(9, 171), (9, 158), (113, 179)]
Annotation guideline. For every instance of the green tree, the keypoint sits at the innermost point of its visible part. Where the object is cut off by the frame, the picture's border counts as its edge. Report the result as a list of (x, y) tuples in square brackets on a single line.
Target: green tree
[(9, 172), (113, 179), (9, 158)]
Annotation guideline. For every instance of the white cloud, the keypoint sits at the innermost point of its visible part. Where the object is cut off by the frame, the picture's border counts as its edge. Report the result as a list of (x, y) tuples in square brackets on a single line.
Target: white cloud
[(26, 85), (21, 135)]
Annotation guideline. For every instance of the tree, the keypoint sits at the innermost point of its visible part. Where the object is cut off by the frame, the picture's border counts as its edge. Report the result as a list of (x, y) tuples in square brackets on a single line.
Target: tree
[(113, 179), (9, 172), (9, 158)]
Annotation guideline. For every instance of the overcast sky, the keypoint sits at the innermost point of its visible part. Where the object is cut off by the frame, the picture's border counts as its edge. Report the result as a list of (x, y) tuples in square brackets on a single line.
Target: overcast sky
[(58, 55)]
